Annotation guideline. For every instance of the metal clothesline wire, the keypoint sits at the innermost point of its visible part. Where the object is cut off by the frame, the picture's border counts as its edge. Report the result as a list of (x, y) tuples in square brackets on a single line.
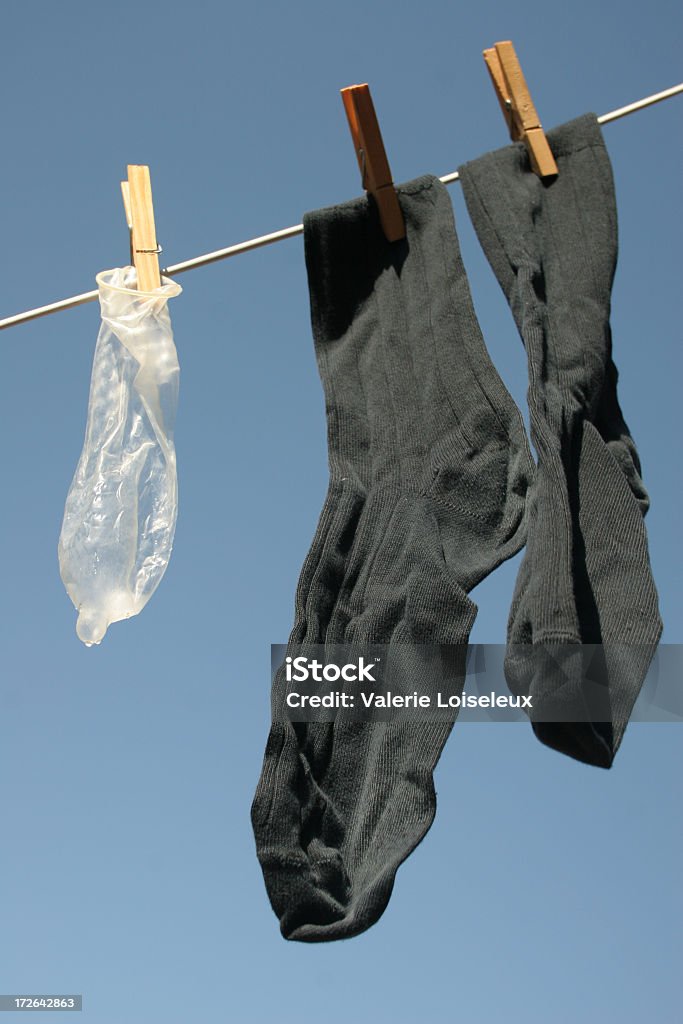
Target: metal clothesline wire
[(279, 236)]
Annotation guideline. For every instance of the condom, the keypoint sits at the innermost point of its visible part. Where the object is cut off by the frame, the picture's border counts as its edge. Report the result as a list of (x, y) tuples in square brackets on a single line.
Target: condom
[(121, 509)]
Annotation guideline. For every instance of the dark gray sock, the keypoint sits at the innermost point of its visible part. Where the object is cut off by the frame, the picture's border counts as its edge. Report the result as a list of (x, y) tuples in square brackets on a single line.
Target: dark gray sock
[(429, 466), (586, 575)]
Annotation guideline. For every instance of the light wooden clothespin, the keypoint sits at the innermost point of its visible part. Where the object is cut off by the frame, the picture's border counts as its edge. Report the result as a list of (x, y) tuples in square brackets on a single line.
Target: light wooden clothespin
[(125, 192), (518, 109), (372, 159), (144, 251)]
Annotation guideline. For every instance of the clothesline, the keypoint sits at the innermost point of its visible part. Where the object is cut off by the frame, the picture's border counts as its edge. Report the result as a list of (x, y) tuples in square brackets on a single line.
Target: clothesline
[(279, 236)]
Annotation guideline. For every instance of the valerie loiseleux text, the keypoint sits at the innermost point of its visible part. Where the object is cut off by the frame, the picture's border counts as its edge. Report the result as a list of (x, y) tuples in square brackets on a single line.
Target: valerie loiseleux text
[(341, 699), (301, 669)]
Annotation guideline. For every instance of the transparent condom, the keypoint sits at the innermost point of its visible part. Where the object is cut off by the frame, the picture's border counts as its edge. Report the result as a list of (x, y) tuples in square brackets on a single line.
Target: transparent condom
[(121, 509)]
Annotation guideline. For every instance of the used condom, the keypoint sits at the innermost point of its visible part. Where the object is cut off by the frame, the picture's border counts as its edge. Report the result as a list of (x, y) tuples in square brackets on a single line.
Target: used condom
[(120, 514)]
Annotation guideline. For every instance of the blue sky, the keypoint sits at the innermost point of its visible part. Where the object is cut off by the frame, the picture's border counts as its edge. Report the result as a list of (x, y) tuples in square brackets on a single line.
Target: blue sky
[(546, 890)]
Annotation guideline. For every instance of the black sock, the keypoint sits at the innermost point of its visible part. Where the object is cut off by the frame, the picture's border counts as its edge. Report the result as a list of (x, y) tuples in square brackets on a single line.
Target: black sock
[(428, 472), (586, 575)]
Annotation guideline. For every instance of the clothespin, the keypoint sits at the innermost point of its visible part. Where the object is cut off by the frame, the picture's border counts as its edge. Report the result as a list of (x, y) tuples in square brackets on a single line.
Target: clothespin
[(518, 109), (144, 251), (372, 159), (125, 192)]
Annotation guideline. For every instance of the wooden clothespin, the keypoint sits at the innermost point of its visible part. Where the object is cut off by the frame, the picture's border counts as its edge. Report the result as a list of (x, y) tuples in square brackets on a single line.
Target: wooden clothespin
[(125, 192), (372, 159), (144, 251), (518, 109)]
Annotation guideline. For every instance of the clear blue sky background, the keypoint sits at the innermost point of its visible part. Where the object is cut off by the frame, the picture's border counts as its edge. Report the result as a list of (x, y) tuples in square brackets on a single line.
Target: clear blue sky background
[(546, 891)]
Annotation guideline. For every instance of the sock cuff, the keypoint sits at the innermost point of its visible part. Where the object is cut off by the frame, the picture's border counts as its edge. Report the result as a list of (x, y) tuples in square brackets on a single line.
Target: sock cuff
[(575, 135), (400, 353)]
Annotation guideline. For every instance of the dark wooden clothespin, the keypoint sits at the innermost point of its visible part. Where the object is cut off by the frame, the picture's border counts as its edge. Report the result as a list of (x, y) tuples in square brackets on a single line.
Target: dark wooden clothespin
[(144, 251), (372, 159), (518, 109)]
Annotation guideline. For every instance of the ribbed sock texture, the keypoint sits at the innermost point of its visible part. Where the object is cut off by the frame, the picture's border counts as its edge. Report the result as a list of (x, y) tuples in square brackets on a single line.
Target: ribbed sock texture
[(586, 576), (429, 467)]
